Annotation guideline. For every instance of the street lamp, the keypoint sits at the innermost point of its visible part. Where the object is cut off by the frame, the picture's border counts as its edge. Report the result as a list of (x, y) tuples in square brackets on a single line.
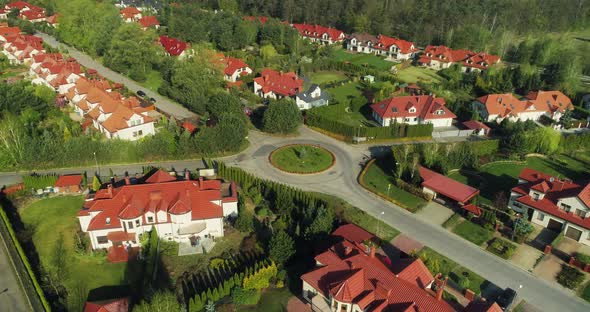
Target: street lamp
[(96, 162), (388, 188), (379, 222)]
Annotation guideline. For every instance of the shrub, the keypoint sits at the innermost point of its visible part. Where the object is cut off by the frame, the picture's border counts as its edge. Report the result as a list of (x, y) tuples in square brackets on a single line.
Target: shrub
[(463, 282), (584, 258), (502, 248), (243, 296), (263, 212), (570, 277)]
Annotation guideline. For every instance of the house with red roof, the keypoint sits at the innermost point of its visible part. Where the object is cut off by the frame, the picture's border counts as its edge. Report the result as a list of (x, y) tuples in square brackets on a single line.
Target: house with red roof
[(22, 6), (558, 204), (6, 31), (33, 15), (180, 209), (130, 14), (436, 184), (478, 127), (53, 20), (389, 47), (261, 19), (173, 46), (234, 68), (277, 85), (111, 305), (19, 49), (352, 276), (496, 107), (439, 57), (68, 184), (413, 110), (149, 21), (320, 34)]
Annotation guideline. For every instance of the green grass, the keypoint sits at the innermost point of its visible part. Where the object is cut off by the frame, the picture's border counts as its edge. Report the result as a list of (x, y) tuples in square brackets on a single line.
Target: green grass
[(453, 270), (452, 221), (501, 177), (48, 218), (326, 76), (341, 113), (377, 178), (302, 158), (344, 93), (272, 300), (413, 74), (154, 80), (362, 59), (472, 232), (585, 293)]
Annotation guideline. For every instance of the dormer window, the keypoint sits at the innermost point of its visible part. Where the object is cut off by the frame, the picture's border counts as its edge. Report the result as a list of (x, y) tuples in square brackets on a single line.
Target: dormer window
[(394, 109), (581, 213), (108, 220), (536, 196), (439, 112), (565, 207), (412, 110)]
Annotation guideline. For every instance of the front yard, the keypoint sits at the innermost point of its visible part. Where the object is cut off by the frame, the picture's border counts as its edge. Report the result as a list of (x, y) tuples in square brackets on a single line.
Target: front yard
[(473, 232), (363, 59), (377, 179), (413, 74), (326, 76), (345, 93), (342, 113)]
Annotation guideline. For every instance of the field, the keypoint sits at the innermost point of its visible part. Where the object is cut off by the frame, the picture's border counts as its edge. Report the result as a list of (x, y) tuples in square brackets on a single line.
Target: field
[(497, 177), (472, 232), (326, 76), (363, 59), (49, 218), (413, 74), (377, 179), (301, 159)]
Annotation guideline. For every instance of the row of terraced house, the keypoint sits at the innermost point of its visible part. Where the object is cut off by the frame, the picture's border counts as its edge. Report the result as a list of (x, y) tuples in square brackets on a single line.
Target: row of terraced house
[(94, 98), (29, 12)]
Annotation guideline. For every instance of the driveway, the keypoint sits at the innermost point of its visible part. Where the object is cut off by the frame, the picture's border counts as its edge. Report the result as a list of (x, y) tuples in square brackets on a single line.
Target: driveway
[(435, 213), (163, 104)]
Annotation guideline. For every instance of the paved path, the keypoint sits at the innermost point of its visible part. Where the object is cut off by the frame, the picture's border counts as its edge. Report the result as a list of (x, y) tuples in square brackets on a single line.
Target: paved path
[(12, 298), (163, 104), (341, 181)]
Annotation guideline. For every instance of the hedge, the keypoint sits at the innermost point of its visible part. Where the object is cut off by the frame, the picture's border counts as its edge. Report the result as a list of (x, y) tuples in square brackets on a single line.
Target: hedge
[(25, 262), (36, 181), (396, 130)]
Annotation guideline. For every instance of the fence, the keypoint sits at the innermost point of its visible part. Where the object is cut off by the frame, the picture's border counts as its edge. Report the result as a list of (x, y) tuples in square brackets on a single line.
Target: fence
[(30, 286), (452, 133)]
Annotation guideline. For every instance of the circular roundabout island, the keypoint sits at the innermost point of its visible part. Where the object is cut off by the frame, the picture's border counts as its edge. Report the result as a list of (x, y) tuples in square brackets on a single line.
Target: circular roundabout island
[(302, 158)]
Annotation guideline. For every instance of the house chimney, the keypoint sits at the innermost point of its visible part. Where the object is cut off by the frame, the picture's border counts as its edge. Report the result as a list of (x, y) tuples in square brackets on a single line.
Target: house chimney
[(200, 183), (127, 180), (347, 250), (372, 251), (187, 175), (110, 190)]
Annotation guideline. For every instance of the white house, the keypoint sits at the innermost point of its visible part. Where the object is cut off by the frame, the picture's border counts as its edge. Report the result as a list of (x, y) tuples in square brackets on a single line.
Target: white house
[(181, 210), (234, 69), (389, 47), (413, 110), (313, 97), (557, 204)]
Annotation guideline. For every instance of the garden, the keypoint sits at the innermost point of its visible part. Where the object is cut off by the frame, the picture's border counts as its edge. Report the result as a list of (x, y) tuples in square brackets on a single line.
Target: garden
[(322, 77), (363, 59), (473, 232), (302, 158), (413, 74)]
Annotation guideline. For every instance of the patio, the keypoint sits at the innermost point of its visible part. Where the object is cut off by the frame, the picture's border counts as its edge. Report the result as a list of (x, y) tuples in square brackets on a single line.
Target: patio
[(195, 246)]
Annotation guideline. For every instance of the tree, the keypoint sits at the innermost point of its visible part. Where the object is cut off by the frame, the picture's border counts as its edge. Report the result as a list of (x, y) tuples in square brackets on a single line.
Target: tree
[(160, 301), (282, 247), (261, 278), (95, 183), (245, 222), (282, 116), (267, 52), (321, 225)]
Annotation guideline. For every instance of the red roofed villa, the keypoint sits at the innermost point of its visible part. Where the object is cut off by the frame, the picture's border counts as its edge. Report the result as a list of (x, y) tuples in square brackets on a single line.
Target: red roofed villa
[(351, 276), (413, 110), (276, 85), (321, 34), (439, 57), (181, 210), (173, 46), (69, 183), (149, 21), (437, 184), (394, 48), (234, 68), (557, 204), (113, 305)]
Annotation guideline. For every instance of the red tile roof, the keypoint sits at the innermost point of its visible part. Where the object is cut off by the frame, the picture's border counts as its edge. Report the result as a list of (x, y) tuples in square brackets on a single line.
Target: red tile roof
[(481, 60), (173, 46), (32, 14), (385, 43), (285, 84), (351, 275), (69, 180), (261, 19), (426, 107), (9, 31), (553, 190), (467, 58), (446, 186), (232, 64), (352, 232), (550, 100), (475, 125), (148, 21), (317, 31), (129, 12), (113, 305), (482, 306), (21, 5), (160, 176), (473, 209), (537, 101)]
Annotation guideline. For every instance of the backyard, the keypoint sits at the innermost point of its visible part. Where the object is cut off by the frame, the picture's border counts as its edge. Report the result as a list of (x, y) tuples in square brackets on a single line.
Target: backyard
[(326, 76), (496, 177), (342, 114), (363, 59), (49, 218), (346, 92), (377, 178), (413, 74)]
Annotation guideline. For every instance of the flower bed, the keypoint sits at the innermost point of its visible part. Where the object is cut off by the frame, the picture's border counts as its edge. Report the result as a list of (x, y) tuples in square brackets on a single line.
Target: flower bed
[(302, 158)]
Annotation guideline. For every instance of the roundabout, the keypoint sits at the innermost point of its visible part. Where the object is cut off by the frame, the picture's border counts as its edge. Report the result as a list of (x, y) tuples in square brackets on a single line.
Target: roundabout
[(302, 158)]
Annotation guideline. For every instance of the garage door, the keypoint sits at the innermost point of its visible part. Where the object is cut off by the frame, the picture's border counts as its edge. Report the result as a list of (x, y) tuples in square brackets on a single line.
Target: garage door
[(573, 233), (554, 225)]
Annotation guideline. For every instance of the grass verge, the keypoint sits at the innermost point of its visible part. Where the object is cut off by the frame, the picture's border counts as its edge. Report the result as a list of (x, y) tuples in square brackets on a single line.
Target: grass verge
[(472, 232)]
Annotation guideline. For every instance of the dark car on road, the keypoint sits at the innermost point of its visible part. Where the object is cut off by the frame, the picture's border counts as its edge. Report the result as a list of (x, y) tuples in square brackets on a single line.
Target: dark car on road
[(506, 299), (141, 93)]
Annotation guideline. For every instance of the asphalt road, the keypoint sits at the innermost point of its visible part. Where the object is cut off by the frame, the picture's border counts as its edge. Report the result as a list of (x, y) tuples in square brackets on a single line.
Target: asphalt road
[(12, 298), (163, 104)]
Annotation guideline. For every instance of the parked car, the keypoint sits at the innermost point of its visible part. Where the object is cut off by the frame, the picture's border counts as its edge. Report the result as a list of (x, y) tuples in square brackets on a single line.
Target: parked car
[(141, 93), (506, 299), (153, 100)]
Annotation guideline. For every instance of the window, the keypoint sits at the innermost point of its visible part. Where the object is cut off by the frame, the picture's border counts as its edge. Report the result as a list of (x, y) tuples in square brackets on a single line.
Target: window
[(108, 220), (540, 216), (102, 239), (134, 133), (130, 225), (137, 222), (535, 196), (580, 213), (566, 207), (140, 132), (412, 110), (150, 219)]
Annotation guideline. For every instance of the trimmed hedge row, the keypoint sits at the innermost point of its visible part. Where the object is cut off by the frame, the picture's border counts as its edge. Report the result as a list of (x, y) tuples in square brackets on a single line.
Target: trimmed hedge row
[(38, 301)]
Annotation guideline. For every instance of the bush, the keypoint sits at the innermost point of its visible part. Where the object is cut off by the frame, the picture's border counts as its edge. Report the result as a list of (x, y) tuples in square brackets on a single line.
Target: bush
[(502, 248), (570, 277), (243, 296), (463, 282), (263, 212), (583, 258)]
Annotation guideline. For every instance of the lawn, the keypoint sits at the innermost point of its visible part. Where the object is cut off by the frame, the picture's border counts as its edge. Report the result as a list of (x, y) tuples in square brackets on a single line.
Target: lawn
[(47, 219), (377, 179), (453, 270), (272, 300), (302, 158), (413, 74), (472, 232), (326, 76), (344, 93), (154, 80), (498, 177), (342, 113), (363, 59), (585, 292)]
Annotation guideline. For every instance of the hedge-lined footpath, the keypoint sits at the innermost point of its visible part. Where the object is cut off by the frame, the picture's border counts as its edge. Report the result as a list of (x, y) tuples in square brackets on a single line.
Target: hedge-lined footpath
[(29, 282)]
